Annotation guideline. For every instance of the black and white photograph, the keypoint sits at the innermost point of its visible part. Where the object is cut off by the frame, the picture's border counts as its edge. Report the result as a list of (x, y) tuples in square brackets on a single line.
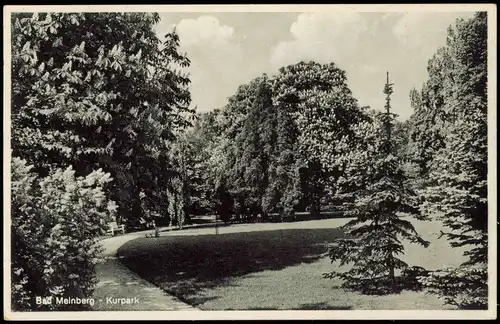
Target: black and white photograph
[(250, 162)]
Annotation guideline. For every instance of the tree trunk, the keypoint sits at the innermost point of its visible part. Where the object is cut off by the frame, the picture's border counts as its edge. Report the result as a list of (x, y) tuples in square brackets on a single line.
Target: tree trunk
[(392, 276), (314, 210), (136, 208), (172, 208)]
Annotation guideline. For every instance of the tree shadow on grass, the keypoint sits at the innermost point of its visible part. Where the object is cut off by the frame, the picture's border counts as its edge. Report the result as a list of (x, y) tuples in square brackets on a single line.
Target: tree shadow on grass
[(317, 306), (197, 226), (321, 306), (186, 265)]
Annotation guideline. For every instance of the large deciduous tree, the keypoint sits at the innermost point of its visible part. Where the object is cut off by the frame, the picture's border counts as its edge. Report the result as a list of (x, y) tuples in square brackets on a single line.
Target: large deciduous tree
[(97, 90), (278, 139), (89, 91), (315, 109), (456, 188)]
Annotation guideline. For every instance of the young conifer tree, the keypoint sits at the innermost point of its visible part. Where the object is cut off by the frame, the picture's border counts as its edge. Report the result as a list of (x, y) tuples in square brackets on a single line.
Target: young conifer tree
[(376, 195)]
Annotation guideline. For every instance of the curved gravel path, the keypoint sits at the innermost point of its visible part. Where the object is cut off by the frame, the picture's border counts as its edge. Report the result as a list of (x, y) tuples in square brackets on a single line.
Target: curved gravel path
[(120, 289)]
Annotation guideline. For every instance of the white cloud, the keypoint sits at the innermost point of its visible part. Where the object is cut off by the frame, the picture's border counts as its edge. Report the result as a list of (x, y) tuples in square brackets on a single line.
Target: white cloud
[(366, 45), (214, 55), (202, 30), (424, 29), (333, 24), (340, 37), (321, 37)]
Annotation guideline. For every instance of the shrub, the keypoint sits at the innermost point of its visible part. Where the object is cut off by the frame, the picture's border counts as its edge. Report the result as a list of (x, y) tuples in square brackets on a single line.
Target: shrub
[(465, 287), (55, 223)]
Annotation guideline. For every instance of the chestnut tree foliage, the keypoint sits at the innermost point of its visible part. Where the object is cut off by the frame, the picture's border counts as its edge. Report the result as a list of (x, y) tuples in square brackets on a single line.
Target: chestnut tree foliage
[(272, 148), (321, 109), (90, 91), (98, 90)]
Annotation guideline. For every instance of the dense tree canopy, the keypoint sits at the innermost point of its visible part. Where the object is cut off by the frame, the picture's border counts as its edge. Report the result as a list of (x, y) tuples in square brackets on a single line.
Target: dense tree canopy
[(97, 90), (276, 140), (456, 189)]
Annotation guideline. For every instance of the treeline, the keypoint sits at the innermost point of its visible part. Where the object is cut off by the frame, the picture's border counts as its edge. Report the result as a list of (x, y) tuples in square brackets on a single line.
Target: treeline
[(273, 150), (269, 150)]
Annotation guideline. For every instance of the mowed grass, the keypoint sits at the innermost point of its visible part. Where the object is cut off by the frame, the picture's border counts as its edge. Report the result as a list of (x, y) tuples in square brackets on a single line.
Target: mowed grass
[(271, 266)]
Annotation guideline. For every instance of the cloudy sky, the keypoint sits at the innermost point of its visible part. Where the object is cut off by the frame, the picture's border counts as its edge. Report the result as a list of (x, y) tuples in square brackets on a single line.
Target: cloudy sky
[(229, 49)]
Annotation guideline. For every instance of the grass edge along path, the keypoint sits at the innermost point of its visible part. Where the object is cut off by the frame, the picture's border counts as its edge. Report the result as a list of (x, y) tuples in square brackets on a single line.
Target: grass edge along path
[(120, 289)]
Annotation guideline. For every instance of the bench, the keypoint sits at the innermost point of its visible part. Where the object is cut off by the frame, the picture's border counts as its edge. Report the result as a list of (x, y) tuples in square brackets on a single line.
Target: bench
[(114, 227)]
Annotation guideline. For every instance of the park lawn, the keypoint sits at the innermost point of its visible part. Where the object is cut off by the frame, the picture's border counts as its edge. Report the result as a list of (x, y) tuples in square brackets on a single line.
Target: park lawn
[(270, 266)]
